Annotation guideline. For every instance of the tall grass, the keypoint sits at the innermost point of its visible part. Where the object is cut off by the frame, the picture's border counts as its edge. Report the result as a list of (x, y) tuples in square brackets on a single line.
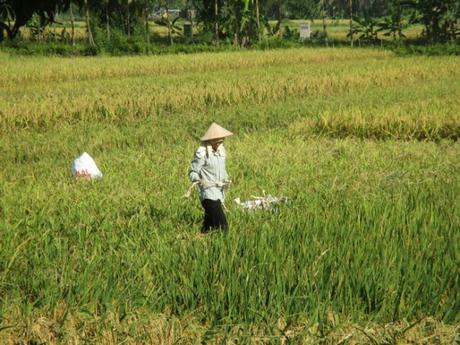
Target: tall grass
[(48, 96), (369, 236)]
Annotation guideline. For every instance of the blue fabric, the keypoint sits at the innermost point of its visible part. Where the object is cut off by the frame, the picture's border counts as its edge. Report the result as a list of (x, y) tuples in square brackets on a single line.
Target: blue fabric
[(208, 166)]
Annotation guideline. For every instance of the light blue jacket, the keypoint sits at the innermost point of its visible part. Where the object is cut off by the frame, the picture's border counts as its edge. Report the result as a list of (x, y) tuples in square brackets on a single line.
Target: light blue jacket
[(209, 166)]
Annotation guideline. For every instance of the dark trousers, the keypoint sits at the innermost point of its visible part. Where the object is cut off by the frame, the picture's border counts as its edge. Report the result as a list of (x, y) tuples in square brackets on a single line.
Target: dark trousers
[(214, 216)]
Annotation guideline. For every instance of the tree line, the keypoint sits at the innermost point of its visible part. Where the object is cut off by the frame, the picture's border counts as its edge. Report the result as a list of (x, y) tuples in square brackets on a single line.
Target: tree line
[(242, 21)]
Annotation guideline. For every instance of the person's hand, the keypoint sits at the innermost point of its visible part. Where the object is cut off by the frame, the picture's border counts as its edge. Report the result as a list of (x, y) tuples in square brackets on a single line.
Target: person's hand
[(227, 185), (205, 183)]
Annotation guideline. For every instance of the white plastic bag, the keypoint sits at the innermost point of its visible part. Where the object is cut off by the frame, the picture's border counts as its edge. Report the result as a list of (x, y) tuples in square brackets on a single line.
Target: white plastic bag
[(85, 166), (265, 202)]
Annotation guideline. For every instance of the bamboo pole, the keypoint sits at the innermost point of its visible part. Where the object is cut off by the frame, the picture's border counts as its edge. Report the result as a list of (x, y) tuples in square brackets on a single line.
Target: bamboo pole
[(72, 23), (324, 21), (107, 21), (88, 26), (216, 13), (350, 4), (258, 19)]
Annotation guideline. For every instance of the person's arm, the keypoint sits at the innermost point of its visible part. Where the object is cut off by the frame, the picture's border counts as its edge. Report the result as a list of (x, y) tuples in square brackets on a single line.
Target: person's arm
[(225, 175), (197, 163)]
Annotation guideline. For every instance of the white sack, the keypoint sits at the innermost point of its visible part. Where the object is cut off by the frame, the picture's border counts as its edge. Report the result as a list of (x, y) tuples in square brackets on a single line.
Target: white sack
[(85, 165), (266, 202)]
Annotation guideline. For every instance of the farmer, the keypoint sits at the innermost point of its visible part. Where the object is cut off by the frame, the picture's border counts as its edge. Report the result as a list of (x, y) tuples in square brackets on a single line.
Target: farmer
[(208, 171)]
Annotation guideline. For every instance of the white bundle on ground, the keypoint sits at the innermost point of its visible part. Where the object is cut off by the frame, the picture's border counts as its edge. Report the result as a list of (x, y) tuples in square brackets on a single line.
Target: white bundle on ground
[(266, 202), (85, 166)]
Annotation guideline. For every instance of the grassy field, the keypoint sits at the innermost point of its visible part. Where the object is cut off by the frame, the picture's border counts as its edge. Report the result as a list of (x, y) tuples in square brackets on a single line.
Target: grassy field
[(363, 143)]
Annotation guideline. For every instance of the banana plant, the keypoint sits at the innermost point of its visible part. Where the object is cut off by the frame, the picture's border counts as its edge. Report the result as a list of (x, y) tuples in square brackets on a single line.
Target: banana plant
[(6, 17), (36, 28), (393, 28), (366, 28), (272, 30), (394, 24), (246, 15), (241, 22)]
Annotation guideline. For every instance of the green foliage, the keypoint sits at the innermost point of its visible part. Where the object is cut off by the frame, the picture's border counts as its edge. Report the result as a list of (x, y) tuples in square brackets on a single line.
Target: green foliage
[(23, 11), (366, 28), (271, 29), (290, 34), (394, 24), (275, 42), (391, 27), (48, 49), (302, 9), (429, 50), (35, 27), (171, 24), (364, 144), (439, 17), (236, 19), (120, 45), (238, 22), (317, 37), (6, 17)]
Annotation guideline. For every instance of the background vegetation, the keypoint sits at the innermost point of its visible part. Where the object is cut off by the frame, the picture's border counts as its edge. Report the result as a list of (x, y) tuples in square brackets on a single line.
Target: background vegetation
[(88, 27)]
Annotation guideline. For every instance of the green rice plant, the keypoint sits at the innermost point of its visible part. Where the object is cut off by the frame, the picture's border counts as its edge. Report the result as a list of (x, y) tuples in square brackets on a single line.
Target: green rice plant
[(363, 143)]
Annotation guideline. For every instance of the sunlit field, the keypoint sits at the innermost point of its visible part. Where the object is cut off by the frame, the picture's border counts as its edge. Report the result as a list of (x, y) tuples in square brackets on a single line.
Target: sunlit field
[(363, 143)]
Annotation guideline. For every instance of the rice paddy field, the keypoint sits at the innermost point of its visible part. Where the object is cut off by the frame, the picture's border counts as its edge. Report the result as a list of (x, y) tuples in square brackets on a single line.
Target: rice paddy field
[(363, 143)]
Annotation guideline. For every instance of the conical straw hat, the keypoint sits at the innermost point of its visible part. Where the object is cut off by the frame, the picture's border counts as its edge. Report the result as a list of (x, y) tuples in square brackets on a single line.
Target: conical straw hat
[(215, 132)]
